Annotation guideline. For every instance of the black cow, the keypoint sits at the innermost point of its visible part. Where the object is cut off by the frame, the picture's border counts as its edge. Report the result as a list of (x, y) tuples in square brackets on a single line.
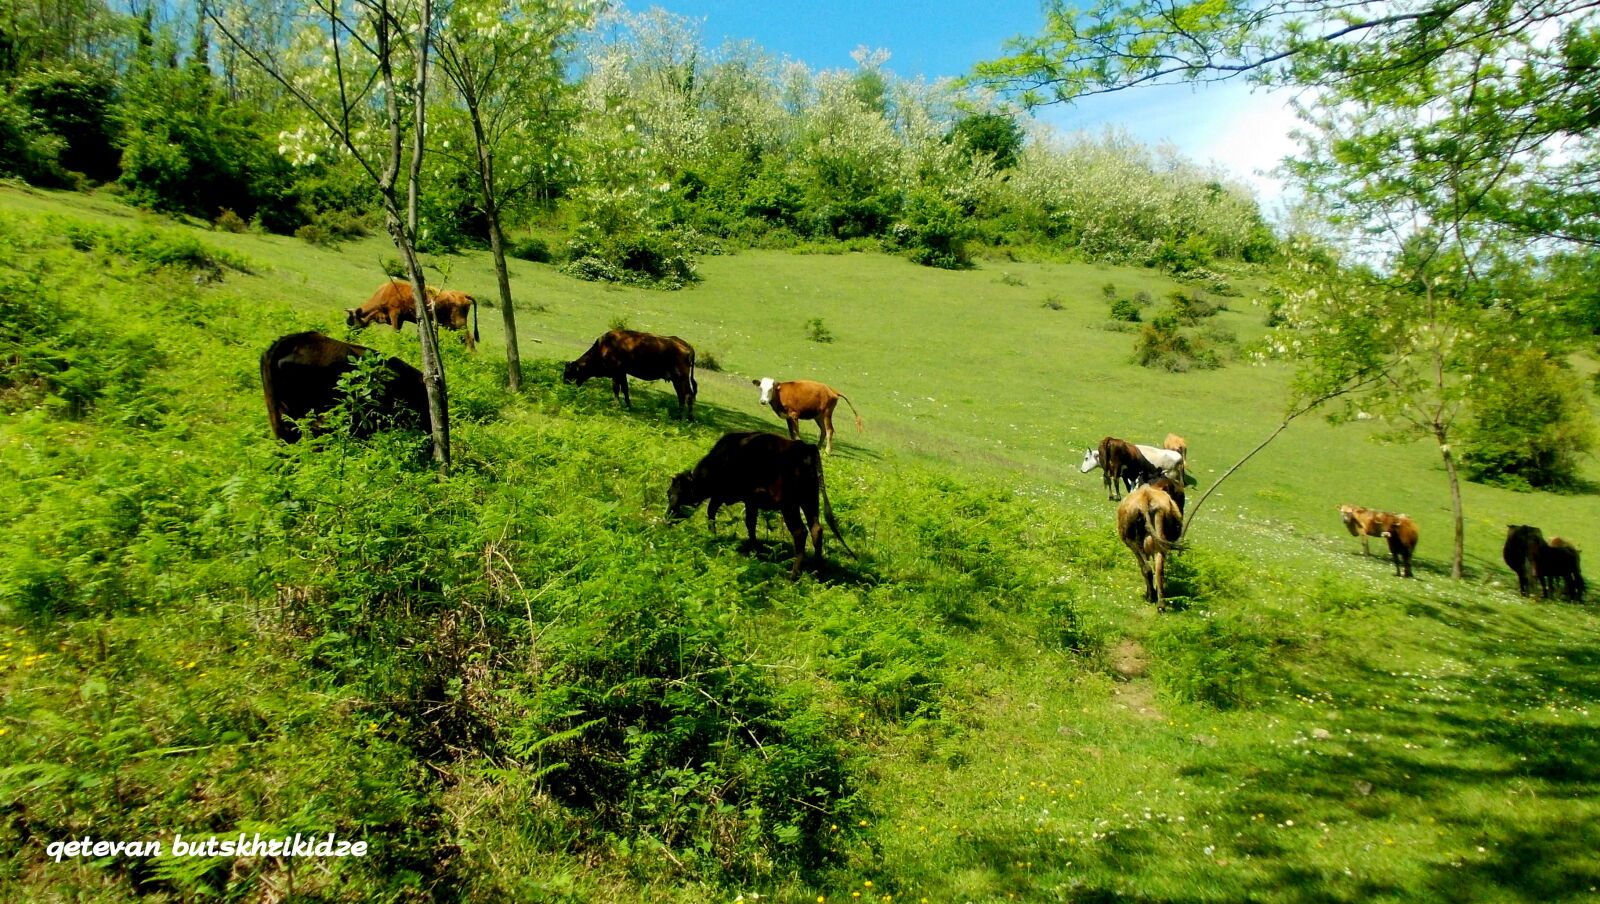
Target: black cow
[(300, 377), (1558, 565), (765, 472), (621, 354), (1521, 552)]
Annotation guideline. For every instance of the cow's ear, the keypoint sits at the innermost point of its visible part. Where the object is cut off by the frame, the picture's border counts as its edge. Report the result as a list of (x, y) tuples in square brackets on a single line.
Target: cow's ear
[(755, 382)]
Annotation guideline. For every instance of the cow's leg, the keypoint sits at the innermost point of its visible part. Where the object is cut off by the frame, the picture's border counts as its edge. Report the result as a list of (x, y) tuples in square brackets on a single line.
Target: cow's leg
[(712, 508), (750, 516), (825, 425), (797, 529), (1161, 581), (794, 425)]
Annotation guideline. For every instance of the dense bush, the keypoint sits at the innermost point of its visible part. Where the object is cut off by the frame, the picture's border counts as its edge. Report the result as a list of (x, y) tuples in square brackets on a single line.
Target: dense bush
[(656, 260), (75, 105), (27, 151), (1529, 426), (1165, 345)]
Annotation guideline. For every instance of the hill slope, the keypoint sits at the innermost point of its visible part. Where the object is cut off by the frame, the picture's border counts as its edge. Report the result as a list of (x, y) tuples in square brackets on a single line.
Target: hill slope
[(520, 682)]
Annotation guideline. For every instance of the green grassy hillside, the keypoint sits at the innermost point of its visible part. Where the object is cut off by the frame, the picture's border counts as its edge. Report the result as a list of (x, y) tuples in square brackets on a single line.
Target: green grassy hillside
[(522, 683)]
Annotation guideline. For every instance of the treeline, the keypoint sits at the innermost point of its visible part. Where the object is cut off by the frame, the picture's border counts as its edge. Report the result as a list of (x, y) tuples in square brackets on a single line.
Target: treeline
[(644, 149)]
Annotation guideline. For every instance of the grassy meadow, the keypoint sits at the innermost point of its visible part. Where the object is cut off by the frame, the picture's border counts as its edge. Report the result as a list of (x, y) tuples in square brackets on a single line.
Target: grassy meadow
[(521, 683)]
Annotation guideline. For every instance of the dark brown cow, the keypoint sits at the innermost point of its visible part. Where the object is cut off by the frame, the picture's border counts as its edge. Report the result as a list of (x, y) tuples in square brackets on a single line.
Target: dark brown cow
[(393, 304), (805, 400), (1401, 532), (300, 376), (1169, 486), (621, 354), (765, 472), (1120, 461), (1149, 523), (1521, 553), (1558, 564)]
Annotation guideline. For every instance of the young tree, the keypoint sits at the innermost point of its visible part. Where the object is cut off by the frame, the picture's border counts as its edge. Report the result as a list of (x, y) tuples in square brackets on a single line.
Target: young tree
[(358, 52), (505, 62)]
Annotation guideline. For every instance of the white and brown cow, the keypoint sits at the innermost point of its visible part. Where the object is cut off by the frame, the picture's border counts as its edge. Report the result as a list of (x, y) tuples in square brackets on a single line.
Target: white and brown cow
[(805, 400)]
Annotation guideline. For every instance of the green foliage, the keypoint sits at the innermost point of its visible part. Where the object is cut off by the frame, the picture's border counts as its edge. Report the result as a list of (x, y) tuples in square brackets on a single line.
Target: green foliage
[(933, 232), (1125, 310), (26, 150), (1225, 661), (1163, 343), (533, 249), (74, 104), (817, 331), (995, 135), (1530, 424), (653, 260)]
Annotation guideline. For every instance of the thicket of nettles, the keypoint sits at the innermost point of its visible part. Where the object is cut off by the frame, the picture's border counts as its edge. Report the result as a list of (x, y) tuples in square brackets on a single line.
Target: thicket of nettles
[(667, 150), (499, 675)]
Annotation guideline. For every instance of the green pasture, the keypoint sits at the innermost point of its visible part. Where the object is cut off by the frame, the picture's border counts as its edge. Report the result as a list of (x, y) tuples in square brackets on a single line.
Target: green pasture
[(206, 633)]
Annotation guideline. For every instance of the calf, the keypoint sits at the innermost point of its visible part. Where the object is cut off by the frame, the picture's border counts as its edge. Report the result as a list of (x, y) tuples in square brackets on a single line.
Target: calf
[(805, 400), (1558, 565), (300, 378), (763, 471), (1150, 523), (621, 354)]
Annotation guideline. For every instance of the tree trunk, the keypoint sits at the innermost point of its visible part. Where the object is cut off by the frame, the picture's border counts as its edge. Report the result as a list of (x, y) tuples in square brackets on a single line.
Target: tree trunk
[(1455, 503), (497, 245)]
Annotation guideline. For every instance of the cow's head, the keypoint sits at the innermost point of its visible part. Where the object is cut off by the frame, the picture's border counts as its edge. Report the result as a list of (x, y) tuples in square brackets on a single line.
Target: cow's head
[(682, 497), (766, 384), (577, 371), (1091, 460), (353, 318)]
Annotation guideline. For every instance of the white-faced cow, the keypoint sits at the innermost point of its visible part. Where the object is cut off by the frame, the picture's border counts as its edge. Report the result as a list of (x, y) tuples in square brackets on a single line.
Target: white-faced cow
[(805, 400), (300, 378), (394, 304), (763, 471), (621, 354), (1150, 523)]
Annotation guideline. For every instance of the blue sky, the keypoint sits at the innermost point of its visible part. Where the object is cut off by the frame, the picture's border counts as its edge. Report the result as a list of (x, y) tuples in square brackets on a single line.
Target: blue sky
[(1229, 124)]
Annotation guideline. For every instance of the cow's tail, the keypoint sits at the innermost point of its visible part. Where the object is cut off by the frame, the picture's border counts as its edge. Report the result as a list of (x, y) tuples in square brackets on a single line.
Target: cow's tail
[(274, 417), (827, 507), (1155, 540), (859, 428)]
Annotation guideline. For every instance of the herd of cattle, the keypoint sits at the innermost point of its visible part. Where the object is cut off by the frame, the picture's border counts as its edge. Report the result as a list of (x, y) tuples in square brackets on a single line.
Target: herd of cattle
[(301, 372)]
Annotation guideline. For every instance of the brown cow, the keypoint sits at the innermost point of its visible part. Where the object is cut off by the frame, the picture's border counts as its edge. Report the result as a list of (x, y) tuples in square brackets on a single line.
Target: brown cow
[(1121, 461), (621, 354), (1364, 523), (300, 377), (393, 304), (1401, 532), (1169, 486), (763, 471), (805, 400), (1149, 523), (1178, 444)]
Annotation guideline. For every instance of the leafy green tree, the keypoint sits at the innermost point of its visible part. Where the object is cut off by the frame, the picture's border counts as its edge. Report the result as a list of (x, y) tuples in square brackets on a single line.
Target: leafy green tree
[(996, 135), (349, 72), (504, 61), (1529, 423)]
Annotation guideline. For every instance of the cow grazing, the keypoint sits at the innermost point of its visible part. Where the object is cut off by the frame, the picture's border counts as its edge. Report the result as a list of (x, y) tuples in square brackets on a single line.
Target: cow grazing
[(1176, 443), (805, 400), (621, 354), (300, 376), (1149, 522), (765, 472), (1558, 565), (1401, 532), (393, 304), (1521, 553), (1120, 461), (1167, 461)]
